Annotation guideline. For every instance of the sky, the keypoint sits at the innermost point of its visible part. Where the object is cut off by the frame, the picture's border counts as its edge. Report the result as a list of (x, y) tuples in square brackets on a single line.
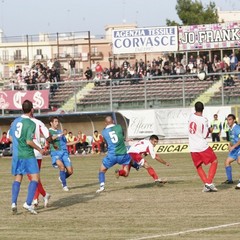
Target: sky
[(22, 17)]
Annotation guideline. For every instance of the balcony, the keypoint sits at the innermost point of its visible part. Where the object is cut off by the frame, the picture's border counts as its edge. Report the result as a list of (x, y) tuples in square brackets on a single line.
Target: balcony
[(97, 56)]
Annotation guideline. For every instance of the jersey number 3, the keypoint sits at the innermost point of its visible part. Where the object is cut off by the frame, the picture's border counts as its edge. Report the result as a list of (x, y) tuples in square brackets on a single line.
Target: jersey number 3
[(113, 136), (18, 131)]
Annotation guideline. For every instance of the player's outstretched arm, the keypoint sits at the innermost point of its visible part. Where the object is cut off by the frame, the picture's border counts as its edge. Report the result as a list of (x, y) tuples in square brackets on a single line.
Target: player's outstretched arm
[(159, 159)]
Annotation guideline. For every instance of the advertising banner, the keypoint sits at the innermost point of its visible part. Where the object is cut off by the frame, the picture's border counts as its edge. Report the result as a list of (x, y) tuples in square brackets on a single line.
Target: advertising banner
[(183, 148), (12, 100), (144, 40), (170, 123), (209, 36)]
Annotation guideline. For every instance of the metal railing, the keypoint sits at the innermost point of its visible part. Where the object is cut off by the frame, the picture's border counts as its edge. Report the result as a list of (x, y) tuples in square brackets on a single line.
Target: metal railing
[(140, 93)]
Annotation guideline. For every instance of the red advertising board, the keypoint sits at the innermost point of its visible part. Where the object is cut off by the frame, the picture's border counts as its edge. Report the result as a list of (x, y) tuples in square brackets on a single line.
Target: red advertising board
[(12, 100)]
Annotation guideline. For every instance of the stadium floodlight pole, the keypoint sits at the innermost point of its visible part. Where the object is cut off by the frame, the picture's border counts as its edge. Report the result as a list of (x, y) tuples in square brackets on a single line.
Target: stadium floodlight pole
[(183, 91), (145, 92), (57, 45), (222, 90), (27, 49), (89, 47)]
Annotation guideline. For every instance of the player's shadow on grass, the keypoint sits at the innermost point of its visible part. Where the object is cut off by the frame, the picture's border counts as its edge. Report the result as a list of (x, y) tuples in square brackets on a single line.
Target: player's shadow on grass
[(85, 185), (222, 186), (72, 200)]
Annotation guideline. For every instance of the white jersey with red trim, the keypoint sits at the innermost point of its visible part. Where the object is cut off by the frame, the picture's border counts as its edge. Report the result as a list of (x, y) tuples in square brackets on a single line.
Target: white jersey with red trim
[(197, 133), (41, 129), (143, 147)]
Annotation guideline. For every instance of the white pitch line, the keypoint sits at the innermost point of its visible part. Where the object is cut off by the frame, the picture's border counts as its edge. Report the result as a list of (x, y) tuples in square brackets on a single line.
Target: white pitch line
[(188, 231)]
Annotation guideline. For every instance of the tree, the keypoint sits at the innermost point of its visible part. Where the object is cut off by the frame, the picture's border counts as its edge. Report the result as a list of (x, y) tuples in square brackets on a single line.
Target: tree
[(193, 12)]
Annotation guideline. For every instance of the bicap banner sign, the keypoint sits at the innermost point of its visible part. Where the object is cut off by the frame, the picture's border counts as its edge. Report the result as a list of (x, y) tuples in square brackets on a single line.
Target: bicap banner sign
[(143, 40), (209, 36), (12, 100)]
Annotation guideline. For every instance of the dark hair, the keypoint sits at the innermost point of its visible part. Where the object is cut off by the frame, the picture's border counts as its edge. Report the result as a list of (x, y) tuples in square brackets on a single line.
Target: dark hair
[(51, 119), (153, 137), (96, 131), (199, 107), (27, 106), (232, 116)]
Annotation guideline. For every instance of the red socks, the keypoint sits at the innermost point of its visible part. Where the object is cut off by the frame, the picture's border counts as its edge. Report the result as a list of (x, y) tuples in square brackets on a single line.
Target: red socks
[(152, 173)]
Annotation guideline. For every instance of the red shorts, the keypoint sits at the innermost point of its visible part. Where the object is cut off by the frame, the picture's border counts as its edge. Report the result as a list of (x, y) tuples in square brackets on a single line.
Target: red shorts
[(205, 157), (136, 157)]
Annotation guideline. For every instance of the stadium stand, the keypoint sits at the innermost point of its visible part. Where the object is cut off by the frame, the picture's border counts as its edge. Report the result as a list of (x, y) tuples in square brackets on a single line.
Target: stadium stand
[(158, 92)]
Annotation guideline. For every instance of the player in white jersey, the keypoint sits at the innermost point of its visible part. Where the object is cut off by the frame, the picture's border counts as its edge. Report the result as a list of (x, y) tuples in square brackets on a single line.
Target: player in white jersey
[(200, 151), (41, 130), (143, 148)]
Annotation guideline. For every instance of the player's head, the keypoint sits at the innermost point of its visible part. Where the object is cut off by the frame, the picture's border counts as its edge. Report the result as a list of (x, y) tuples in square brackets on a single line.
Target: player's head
[(27, 106), (109, 120), (199, 107), (95, 132), (154, 140), (53, 121), (231, 119)]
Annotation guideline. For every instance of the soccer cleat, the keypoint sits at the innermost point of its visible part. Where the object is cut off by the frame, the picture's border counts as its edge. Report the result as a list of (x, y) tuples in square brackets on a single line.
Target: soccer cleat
[(35, 202), (227, 182), (117, 173), (160, 181), (211, 187), (29, 208), (205, 189), (46, 199), (66, 189), (14, 208), (238, 186), (101, 189)]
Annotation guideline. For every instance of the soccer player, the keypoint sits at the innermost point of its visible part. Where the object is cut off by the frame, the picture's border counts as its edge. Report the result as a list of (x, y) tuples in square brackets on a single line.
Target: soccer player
[(234, 148), (117, 151), (41, 129), (23, 160), (141, 149), (59, 152), (200, 151)]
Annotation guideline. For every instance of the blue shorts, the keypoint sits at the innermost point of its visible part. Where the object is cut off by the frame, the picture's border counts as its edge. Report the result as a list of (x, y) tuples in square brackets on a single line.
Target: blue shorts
[(234, 154), (62, 156), (111, 160), (24, 166)]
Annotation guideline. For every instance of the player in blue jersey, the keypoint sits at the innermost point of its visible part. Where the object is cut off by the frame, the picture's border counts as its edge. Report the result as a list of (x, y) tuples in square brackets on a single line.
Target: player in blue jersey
[(23, 160), (59, 152), (117, 151), (234, 148)]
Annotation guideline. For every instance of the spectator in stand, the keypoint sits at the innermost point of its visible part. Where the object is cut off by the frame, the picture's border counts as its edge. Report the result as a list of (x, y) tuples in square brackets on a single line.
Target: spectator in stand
[(125, 66), (233, 62), (4, 142), (226, 60), (135, 78), (18, 70), (82, 142), (98, 143), (88, 73), (57, 68), (72, 65), (70, 139), (50, 63), (229, 82), (99, 69)]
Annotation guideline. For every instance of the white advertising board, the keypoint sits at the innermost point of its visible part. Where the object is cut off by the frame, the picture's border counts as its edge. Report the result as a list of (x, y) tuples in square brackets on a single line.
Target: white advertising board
[(144, 40)]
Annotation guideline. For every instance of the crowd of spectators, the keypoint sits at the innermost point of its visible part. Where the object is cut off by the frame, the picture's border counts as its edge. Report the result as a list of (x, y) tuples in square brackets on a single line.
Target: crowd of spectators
[(41, 75), (38, 76), (162, 66)]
